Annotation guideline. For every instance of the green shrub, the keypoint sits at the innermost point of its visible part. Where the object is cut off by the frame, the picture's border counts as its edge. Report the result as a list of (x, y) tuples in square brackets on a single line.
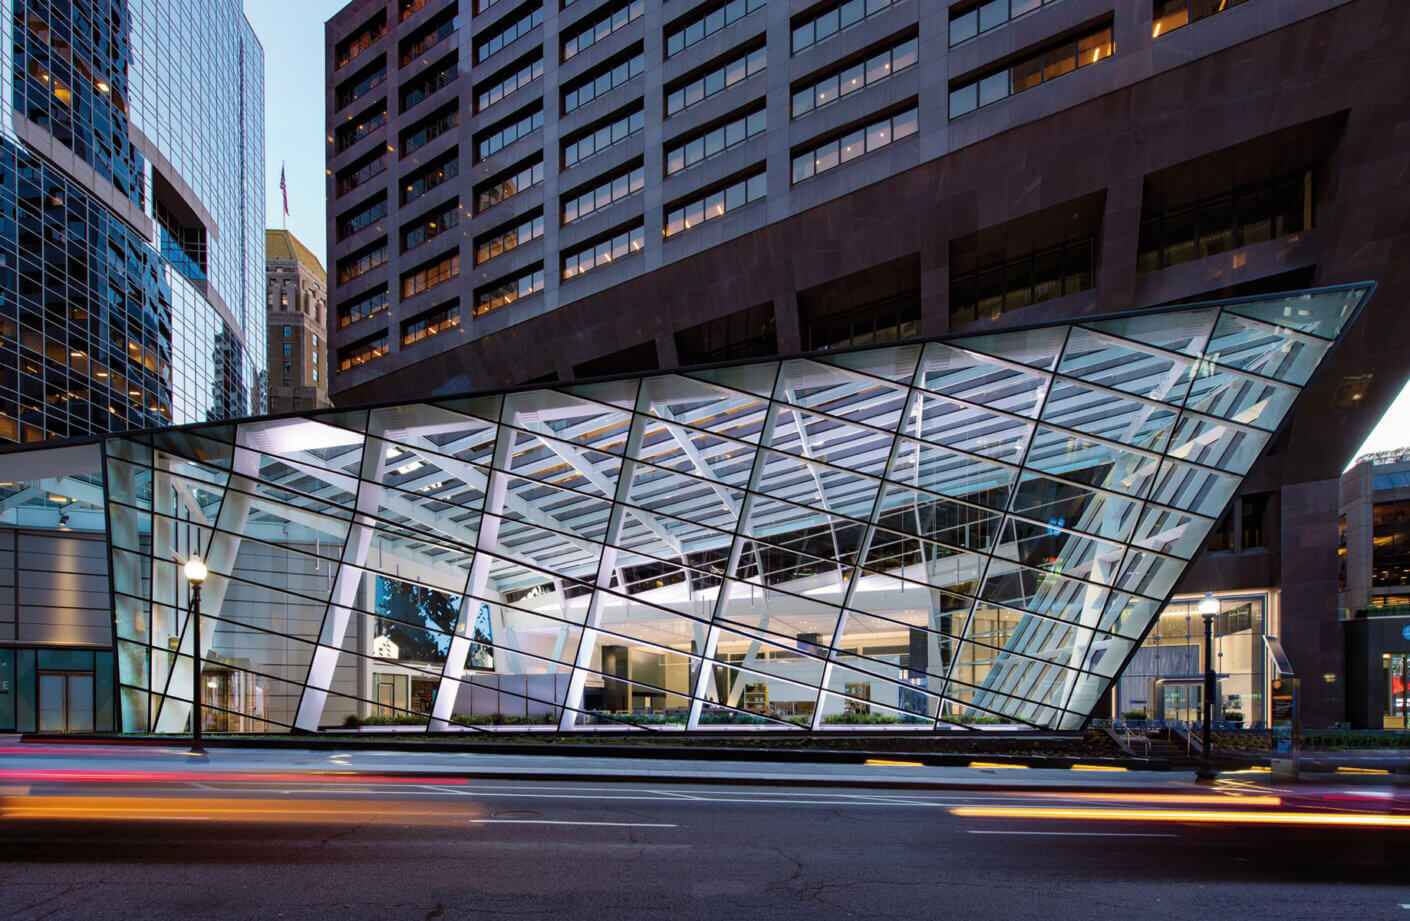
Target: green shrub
[(499, 719), (731, 719), (858, 719), (1134, 715), (400, 719), (966, 719)]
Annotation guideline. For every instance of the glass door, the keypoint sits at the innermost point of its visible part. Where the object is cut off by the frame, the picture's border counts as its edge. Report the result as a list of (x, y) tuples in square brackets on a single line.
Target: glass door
[(65, 702)]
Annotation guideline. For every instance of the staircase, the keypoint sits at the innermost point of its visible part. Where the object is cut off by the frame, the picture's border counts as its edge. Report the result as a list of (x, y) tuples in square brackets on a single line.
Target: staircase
[(1164, 749)]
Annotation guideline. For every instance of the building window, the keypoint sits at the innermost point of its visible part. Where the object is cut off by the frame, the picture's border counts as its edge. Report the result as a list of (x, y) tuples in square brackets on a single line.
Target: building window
[(352, 46), (361, 172), (607, 191), (362, 262), (702, 86), (519, 26), (602, 81), (288, 350), (430, 81), (288, 369), (430, 128), (609, 249), (1169, 15), (436, 320), (315, 375), (502, 84), (748, 333), (1260, 211), (833, 19), (717, 203), (1034, 69), (501, 241), (410, 8), (504, 187), (428, 177), (844, 81), (362, 351), (430, 275), (716, 140), (369, 305), (361, 216), (997, 287), (602, 135), (1390, 544), (288, 330), (361, 125), (521, 124), (701, 25), (838, 326), (1253, 514), (969, 20), (618, 18), (298, 402), (430, 226), (853, 144), (430, 35), (508, 290), (362, 83)]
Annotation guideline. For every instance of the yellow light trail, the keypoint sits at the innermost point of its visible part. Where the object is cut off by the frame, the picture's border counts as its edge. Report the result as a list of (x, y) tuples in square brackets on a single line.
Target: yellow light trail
[(234, 810), (1183, 799), (1230, 817)]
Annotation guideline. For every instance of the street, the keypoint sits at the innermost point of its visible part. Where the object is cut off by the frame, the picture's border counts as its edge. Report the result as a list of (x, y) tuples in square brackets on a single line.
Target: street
[(448, 847)]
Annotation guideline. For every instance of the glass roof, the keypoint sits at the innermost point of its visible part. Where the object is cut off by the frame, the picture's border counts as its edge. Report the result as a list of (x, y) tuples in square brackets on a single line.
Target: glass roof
[(978, 528)]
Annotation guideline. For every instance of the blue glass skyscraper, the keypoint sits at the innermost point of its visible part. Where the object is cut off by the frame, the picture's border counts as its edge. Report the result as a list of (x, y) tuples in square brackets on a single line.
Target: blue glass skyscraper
[(131, 215)]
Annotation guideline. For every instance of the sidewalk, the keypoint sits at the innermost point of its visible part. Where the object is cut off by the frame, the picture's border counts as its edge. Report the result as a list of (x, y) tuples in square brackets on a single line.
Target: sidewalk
[(98, 762)]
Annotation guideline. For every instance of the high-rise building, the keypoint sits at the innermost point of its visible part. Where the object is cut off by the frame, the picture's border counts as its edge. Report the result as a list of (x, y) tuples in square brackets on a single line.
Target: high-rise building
[(298, 334), (131, 291), (131, 183), (1374, 576), (525, 191)]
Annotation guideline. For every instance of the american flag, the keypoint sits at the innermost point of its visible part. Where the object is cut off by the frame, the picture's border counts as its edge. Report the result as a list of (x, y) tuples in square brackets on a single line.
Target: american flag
[(284, 187)]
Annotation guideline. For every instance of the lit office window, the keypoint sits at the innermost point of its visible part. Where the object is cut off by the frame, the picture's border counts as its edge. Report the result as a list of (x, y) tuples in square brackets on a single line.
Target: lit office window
[(1041, 67), (715, 81), (856, 76), (853, 144), (717, 203), (718, 139), (600, 253)]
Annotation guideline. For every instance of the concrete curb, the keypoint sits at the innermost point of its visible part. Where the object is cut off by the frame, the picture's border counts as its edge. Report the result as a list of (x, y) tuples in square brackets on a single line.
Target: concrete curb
[(644, 752)]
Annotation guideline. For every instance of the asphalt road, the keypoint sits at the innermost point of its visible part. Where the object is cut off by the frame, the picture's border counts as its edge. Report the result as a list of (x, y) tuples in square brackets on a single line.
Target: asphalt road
[(529, 850)]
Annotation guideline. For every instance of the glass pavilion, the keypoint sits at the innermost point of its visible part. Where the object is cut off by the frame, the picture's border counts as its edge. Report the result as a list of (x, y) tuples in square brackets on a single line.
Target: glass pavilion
[(974, 529)]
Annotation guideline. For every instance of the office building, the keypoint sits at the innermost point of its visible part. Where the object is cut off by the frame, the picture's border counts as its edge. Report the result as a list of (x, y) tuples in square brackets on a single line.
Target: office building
[(131, 289), (546, 191), (1374, 579), (298, 333)]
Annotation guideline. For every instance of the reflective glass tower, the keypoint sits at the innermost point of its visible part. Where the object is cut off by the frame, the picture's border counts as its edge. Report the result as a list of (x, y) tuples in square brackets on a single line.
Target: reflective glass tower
[(131, 216), (979, 528)]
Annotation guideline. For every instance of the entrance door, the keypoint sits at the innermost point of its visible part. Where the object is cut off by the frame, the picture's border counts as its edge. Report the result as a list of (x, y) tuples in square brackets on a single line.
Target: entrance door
[(1182, 702), (65, 702)]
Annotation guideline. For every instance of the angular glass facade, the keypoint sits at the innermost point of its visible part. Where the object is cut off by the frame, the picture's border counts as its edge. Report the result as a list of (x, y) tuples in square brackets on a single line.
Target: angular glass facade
[(981, 528), (131, 216)]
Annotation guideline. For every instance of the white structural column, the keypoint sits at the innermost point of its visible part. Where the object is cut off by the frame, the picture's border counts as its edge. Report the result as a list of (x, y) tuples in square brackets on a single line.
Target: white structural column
[(705, 676), (865, 547), (573, 703), (220, 555), (348, 580), (496, 486)]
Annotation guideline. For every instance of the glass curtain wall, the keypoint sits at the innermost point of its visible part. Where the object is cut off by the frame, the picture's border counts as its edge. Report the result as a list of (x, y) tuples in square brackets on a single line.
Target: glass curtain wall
[(977, 529)]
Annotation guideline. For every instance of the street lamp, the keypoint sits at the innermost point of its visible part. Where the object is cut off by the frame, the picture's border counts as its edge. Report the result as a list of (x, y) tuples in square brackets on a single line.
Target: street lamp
[(1208, 607), (196, 573)]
